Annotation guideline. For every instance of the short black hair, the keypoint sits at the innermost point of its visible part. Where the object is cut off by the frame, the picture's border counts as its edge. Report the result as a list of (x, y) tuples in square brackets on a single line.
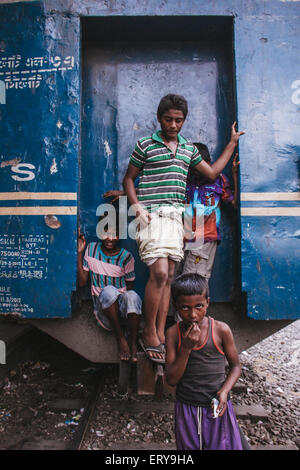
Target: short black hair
[(189, 284), (204, 152), (172, 101)]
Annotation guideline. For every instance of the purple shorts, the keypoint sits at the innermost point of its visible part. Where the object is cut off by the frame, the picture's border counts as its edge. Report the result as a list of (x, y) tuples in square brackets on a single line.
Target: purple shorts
[(197, 429)]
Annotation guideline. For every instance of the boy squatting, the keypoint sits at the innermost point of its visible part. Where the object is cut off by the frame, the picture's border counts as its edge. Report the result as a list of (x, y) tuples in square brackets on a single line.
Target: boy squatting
[(117, 307)]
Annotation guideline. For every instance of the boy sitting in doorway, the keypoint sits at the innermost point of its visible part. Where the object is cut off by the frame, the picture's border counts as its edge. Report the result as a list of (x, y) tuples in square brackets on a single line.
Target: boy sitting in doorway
[(116, 305)]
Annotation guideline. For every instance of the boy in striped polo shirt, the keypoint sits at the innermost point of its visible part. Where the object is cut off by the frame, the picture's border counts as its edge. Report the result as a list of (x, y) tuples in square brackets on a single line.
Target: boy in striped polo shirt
[(161, 161), (116, 304)]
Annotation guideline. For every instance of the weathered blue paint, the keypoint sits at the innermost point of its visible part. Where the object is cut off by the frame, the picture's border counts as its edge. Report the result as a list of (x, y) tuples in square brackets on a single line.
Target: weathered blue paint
[(39, 128), (269, 111), (41, 124)]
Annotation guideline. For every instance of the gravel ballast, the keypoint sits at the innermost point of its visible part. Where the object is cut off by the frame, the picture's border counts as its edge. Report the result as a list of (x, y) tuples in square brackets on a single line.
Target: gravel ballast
[(269, 388)]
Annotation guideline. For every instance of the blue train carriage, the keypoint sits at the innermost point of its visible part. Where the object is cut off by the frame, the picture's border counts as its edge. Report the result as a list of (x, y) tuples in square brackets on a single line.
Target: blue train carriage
[(79, 84)]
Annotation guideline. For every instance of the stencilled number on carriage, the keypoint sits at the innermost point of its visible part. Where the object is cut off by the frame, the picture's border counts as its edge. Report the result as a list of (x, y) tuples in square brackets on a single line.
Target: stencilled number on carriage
[(296, 95)]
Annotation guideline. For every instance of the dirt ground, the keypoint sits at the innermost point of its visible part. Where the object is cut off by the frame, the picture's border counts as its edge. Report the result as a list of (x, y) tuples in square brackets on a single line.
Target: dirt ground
[(31, 395)]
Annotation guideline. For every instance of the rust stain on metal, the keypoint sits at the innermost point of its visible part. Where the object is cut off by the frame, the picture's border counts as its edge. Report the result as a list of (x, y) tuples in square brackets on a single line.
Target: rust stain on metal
[(12, 162), (11, 315), (258, 266), (52, 221)]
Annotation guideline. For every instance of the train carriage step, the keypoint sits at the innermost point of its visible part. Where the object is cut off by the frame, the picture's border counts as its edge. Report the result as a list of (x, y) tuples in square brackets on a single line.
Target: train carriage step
[(151, 379)]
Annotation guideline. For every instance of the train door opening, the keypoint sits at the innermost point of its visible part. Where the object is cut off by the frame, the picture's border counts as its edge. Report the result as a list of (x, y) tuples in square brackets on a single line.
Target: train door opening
[(128, 65)]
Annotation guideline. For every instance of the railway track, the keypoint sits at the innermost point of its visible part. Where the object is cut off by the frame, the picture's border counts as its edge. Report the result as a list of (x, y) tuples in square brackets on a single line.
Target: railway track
[(76, 443), (47, 392), (48, 396)]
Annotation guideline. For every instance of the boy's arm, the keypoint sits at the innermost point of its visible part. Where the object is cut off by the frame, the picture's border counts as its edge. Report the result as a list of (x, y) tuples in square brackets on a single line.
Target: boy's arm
[(129, 188), (128, 183), (82, 275), (235, 165), (114, 193), (129, 272), (215, 169), (176, 361), (232, 357)]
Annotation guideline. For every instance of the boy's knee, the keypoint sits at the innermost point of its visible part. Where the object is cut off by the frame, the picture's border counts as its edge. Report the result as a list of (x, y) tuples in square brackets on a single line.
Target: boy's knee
[(131, 302), (160, 277), (131, 295), (108, 296), (171, 277)]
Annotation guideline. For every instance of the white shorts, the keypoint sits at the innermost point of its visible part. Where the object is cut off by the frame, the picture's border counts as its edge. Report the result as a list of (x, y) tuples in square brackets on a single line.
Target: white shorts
[(162, 237)]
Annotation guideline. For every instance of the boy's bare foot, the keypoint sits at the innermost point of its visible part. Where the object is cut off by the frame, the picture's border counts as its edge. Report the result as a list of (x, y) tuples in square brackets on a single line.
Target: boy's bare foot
[(133, 353), (124, 351), (133, 348)]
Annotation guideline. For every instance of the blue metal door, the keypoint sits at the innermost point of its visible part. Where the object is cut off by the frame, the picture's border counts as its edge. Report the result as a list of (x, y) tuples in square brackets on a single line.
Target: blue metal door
[(122, 84), (39, 133)]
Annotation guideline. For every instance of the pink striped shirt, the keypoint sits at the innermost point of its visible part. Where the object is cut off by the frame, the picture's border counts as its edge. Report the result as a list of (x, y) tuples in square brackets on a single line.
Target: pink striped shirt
[(108, 270)]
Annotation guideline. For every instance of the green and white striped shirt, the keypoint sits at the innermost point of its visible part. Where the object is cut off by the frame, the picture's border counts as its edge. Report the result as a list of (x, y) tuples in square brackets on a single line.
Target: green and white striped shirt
[(162, 178)]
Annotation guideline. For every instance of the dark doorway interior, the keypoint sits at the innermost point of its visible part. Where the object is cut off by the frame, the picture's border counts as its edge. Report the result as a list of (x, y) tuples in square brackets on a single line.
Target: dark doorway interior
[(128, 64)]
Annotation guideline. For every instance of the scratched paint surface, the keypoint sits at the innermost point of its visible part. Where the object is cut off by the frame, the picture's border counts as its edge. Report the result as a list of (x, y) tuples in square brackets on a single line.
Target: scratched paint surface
[(269, 111), (40, 121)]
